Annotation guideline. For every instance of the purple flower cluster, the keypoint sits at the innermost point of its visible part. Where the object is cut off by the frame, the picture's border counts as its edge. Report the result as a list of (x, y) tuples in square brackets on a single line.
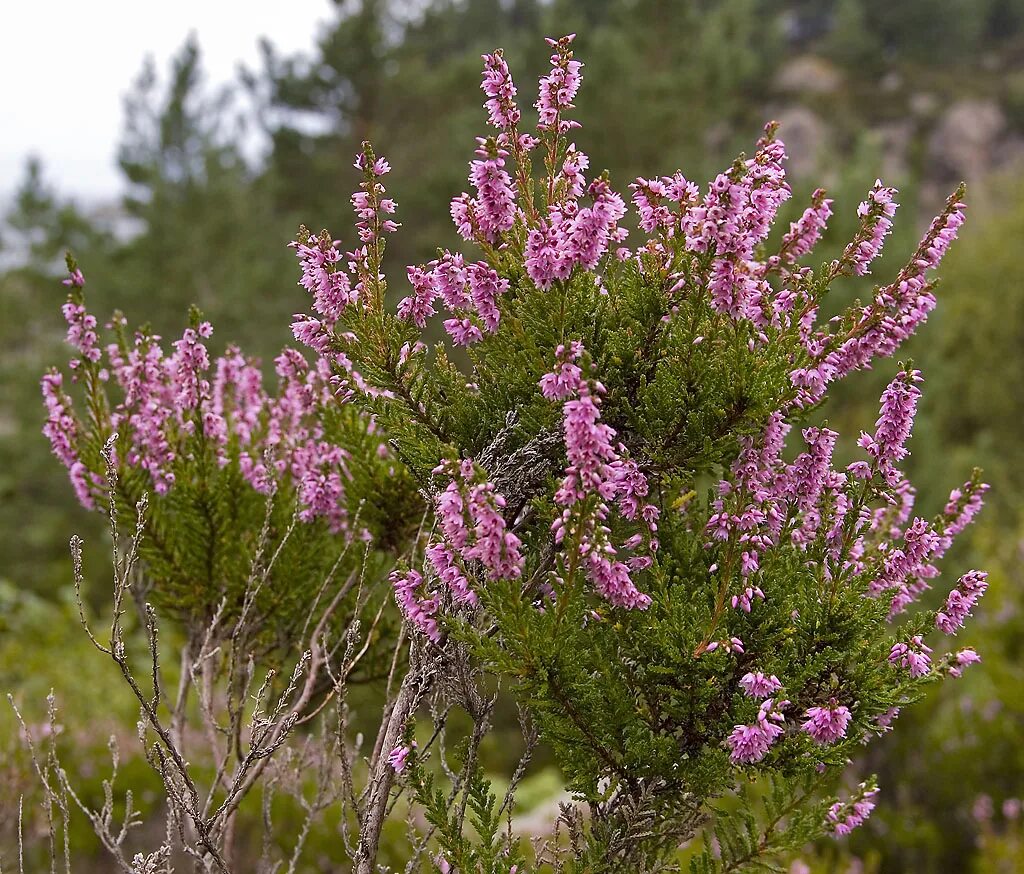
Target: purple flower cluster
[(497, 84), (81, 334), (750, 743), (494, 207), (827, 724), (757, 685), (895, 313), (323, 278), (812, 504), (766, 500), (961, 659), (416, 605), (333, 287), (61, 429), (597, 474), (469, 291), (368, 202), (559, 87), (469, 513), (960, 601), (399, 756), (915, 656), (803, 234), (169, 408), (876, 222), (899, 406), (573, 236), (734, 217), (662, 203), (844, 817)]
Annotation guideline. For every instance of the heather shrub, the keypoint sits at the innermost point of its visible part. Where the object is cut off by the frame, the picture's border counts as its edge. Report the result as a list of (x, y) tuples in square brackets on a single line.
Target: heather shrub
[(585, 496)]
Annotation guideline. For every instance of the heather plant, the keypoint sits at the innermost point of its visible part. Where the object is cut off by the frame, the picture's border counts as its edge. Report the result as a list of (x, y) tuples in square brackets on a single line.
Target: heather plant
[(584, 494)]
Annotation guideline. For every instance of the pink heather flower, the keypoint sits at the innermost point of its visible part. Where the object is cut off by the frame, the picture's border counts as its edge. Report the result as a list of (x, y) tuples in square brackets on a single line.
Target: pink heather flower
[(804, 233), (596, 468), (495, 204), (592, 228), (885, 720), (940, 234), (462, 288), (61, 427), (899, 406), (876, 221), (807, 479), (565, 379), (733, 644), (368, 202), (462, 214), (449, 570), (463, 332), (734, 218), (321, 471), (81, 333), (418, 307), (654, 200), (964, 504), (188, 365), (909, 562), (502, 111), (398, 757), (419, 610), (962, 659), (960, 601), (650, 197), (469, 512), (572, 172), (914, 656), (827, 724), (166, 398), (323, 278), (588, 446), (493, 546), (547, 258), (745, 600), (449, 272), (484, 288), (750, 743), (559, 87), (748, 506), (757, 685), (75, 279), (897, 309), (845, 817), (370, 165), (451, 513)]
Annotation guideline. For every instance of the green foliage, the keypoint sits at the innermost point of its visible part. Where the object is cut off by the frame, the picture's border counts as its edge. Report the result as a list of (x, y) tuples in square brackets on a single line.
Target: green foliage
[(206, 221), (766, 823)]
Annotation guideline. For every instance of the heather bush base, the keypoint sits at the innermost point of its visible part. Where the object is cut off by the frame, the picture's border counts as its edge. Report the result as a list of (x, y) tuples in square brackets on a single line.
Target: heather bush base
[(603, 515)]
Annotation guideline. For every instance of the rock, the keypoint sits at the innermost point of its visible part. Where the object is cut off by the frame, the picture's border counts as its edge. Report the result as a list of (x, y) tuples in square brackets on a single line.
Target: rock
[(923, 103), (809, 74), (894, 141), (965, 141), (805, 136)]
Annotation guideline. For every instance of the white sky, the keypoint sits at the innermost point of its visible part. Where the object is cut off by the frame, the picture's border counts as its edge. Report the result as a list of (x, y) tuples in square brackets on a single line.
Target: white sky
[(65, 66)]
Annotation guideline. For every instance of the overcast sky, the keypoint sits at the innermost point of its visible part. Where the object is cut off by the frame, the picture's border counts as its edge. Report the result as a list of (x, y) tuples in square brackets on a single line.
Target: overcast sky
[(66, 64)]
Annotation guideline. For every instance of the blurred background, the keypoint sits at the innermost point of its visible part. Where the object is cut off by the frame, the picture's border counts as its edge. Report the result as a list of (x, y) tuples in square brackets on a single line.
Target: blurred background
[(176, 149)]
